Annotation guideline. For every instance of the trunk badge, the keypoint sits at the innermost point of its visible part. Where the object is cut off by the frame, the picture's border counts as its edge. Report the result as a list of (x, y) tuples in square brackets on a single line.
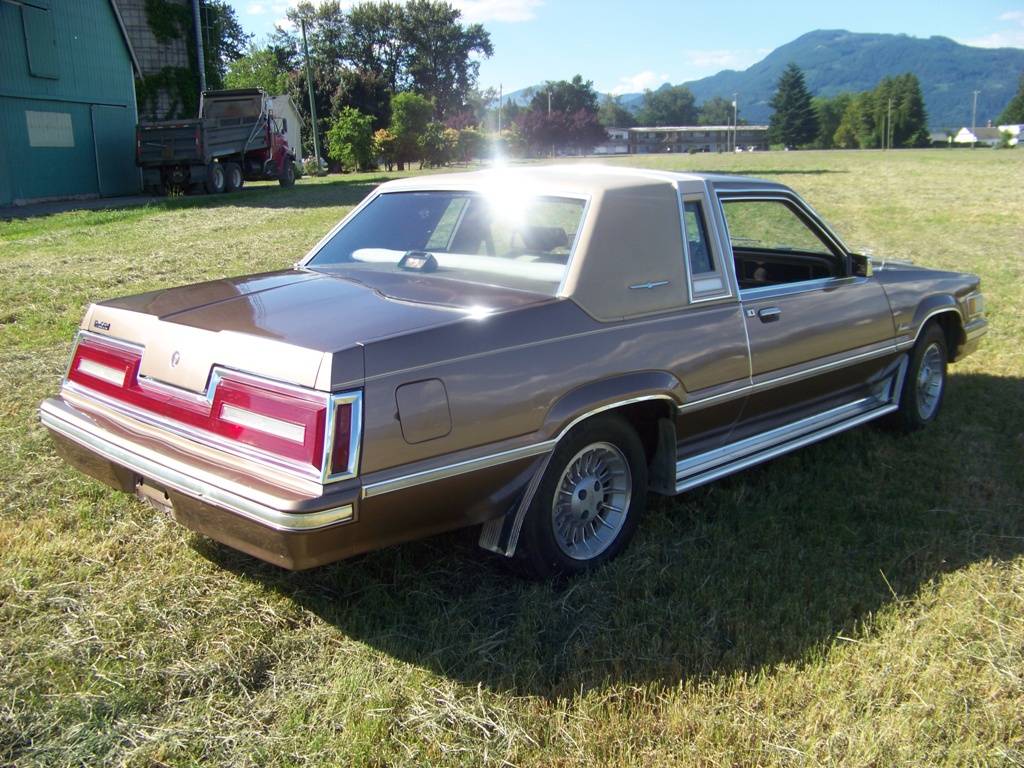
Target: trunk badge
[(175, 359)]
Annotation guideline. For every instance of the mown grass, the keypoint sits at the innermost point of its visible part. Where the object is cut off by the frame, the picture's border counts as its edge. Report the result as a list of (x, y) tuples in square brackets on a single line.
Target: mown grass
[(860, 602)]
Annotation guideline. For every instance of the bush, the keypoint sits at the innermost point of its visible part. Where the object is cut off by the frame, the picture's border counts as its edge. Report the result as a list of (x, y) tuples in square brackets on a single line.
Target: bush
[(350, 140)]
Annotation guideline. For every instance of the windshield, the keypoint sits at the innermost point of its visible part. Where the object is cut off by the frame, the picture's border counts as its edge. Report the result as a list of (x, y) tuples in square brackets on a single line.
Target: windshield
[(519, 242)]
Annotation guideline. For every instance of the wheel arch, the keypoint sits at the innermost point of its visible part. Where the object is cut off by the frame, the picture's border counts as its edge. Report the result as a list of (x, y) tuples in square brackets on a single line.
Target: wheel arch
[(945, 312), (647, 400)]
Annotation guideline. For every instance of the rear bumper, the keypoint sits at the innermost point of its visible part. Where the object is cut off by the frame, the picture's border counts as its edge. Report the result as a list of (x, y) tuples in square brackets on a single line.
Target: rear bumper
[(276, 525)]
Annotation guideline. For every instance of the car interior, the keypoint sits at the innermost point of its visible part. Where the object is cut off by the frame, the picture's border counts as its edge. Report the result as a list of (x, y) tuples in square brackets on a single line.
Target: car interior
[(774, 244)]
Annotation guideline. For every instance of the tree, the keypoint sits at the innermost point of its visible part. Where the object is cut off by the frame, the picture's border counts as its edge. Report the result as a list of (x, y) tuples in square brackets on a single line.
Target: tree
[(410, 114), (374, 43), (830, 115), (436, 145), (224, 40), (442, 54), (257, 68), (716, 111), (1014, 112), (350, 140), (385, 147), (366, 91), (793, 121), (569, 96), (612, 114), (470, 145), (669, 105)]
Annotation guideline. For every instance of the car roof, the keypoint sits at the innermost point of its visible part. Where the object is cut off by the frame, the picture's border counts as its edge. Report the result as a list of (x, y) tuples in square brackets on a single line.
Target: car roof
[(584, 179)]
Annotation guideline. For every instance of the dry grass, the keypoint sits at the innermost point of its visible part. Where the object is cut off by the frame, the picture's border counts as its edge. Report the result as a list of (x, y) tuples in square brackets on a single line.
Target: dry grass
[(860, 602)]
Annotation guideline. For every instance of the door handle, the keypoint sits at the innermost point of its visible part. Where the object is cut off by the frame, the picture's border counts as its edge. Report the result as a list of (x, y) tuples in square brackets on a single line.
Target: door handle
[(769, 314)]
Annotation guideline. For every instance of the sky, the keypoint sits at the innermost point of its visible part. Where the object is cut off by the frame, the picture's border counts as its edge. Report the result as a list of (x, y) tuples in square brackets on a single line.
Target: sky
[(629, 45)]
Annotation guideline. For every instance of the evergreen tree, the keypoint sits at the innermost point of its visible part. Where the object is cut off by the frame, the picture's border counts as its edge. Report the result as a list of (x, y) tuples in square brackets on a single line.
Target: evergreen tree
[(1014, 112), (613, 115), (794, 121)]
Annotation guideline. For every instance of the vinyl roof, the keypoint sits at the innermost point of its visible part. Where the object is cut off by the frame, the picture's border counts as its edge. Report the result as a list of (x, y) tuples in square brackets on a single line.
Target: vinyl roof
[(580, 179)]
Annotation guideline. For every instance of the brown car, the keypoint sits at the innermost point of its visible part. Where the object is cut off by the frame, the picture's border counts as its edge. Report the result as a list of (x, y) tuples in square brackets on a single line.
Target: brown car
[(532, 351)]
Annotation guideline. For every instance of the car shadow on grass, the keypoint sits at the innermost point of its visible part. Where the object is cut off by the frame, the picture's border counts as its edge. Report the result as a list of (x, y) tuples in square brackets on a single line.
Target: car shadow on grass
[(767, 567)]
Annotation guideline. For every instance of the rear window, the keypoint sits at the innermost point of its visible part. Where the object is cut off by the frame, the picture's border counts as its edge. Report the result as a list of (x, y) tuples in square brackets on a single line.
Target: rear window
[(515, 242)]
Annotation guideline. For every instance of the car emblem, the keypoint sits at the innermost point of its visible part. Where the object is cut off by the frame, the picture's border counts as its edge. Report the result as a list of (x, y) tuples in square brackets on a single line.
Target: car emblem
[(103, 326), (175, 359)]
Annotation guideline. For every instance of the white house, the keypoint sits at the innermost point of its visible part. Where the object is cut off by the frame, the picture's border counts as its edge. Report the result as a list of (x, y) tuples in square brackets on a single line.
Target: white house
[(281, 108), (988, 136), (616, 144)]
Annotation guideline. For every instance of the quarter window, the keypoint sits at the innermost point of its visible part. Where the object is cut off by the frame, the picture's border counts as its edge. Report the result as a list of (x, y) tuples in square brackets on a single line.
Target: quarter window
[(705, 277)]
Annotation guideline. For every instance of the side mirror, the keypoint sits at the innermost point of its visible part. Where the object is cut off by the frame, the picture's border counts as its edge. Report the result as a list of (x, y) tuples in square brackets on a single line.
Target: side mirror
[(860, 265)]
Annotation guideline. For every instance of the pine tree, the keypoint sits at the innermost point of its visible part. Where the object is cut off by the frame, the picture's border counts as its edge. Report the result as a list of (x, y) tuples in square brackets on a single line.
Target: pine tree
[(794, 121), (1014, 112)]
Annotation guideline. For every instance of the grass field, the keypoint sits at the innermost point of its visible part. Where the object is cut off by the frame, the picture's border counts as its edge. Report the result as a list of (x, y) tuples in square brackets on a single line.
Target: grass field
[(860, 602)]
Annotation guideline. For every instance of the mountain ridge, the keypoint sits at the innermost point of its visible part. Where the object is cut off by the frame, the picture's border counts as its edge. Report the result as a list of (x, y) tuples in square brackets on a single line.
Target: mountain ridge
[(837, 60)]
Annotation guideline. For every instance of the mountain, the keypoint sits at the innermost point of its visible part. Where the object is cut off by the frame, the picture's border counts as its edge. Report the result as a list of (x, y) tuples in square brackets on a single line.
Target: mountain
[(834, 60)]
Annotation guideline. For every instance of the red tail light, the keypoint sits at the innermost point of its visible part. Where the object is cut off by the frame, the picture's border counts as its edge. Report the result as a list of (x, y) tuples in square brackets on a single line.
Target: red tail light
[(286, 422)]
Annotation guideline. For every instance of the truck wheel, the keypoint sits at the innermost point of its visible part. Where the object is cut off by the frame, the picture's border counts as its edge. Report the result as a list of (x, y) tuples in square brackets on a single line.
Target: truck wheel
[(232, 177), (287, 177), (924, 383), (588, 503), (214, 178)]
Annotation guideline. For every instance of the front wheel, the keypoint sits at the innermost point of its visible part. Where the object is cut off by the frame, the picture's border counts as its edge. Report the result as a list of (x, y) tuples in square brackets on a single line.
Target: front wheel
[(232, 177), (925, 382), (589, 501), (287, 178)]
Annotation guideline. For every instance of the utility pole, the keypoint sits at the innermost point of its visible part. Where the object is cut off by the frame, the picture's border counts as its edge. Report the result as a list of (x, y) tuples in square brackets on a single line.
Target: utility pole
[(888, 126), (974, 117), (735, 120), (501, 98), (312, 101), (200, 58)]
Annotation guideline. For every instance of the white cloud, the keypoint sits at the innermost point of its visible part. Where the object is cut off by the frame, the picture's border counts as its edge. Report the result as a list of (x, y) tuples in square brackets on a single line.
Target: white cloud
[(256, 9), (641, 81), (718, 59), (498, 10), (1011, 37)]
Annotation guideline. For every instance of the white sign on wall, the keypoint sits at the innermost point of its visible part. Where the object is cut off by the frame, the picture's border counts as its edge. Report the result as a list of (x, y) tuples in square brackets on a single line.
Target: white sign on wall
[(49, 129)]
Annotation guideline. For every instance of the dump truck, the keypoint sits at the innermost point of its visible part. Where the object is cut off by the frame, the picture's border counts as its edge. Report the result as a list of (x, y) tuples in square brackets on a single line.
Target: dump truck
[(236, 138)]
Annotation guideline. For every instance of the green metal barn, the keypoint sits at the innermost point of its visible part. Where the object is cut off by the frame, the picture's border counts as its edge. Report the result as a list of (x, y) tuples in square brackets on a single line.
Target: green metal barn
[(67, 101)]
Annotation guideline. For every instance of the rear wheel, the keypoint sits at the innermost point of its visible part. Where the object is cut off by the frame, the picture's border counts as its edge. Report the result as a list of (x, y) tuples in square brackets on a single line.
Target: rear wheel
[(588, 503), (925, 382), (214, 178), (232, 177)]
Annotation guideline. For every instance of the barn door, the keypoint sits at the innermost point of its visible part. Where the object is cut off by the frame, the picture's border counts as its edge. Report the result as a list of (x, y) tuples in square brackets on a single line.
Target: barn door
[(113, 132)]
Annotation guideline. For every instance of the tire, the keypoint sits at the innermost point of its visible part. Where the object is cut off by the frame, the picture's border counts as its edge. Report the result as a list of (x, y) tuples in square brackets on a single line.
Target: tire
[(214, 178), (588, 503), (924, 385), (233, 180), (287, 178)]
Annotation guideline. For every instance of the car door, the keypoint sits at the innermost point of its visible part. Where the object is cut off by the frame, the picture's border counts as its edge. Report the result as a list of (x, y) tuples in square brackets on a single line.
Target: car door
[(820, 336), (713, 358)]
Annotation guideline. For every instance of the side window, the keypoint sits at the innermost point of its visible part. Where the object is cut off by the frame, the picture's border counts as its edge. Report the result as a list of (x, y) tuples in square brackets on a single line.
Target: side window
[(773, 245), (705, 274)]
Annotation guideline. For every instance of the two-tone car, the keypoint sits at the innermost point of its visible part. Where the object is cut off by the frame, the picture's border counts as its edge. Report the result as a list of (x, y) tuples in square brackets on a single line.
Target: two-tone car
[(532, 351)]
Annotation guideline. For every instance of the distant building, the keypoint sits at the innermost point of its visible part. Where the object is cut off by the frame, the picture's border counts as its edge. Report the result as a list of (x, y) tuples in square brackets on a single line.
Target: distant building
[(67, 101), (696, 138), (939, 139), (616, 144), (282, 109), (988, 136)]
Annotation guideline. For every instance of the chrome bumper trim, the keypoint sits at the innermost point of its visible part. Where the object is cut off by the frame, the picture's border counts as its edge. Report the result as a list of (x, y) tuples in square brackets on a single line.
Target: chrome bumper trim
[(67, 422)]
